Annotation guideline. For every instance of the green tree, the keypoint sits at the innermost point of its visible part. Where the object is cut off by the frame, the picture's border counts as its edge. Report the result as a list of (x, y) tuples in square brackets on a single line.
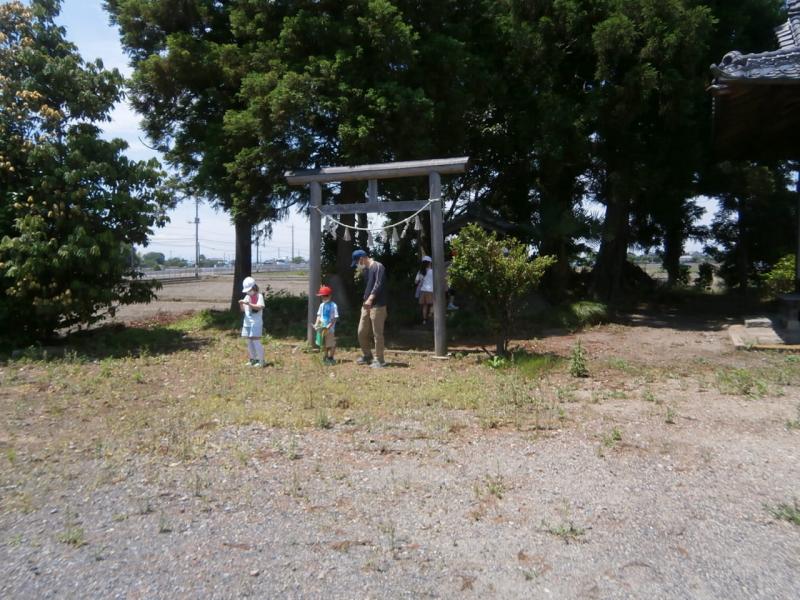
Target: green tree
[(153, 260), (499, 274), (72, 204), (755, 225), (188, 68), (358, 82), (651, 66), (780, 279)]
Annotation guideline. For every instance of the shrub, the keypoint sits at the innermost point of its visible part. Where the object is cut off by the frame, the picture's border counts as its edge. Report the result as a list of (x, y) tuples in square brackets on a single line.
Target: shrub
[(780, 279), (498, 273)]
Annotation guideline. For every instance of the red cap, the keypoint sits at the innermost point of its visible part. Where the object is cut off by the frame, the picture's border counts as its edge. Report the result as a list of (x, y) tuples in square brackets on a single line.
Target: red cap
[(324, 291)]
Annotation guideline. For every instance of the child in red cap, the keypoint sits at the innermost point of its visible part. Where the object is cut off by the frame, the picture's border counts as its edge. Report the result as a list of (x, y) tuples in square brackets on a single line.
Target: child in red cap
[(325, 324)]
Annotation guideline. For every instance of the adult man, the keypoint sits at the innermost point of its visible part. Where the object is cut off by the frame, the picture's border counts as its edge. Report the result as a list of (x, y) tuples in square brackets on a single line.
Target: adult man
[(373, 310)]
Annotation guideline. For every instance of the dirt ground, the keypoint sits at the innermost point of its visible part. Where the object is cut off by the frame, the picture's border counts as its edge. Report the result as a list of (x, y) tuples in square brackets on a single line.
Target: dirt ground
[(209, 293), (660, 477)]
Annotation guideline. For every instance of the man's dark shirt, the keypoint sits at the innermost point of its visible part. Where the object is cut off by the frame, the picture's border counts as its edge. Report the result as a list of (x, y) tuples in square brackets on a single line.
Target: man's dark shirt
[(376, 283)]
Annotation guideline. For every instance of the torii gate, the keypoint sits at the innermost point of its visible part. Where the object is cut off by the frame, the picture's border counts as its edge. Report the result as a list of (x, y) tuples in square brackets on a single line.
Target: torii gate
[(433, 169)]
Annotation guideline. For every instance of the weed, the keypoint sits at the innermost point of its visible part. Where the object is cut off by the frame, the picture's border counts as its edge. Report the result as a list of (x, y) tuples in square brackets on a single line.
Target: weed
[(740, 382), (794, 423), (295, 489), (73, 536), (16, 540), (291, 451), (495, 486), (323, 421), (145, 508), (648, 396), (241, 455), (566, 394), (11, 455), (787, 512), (669, 417), (163, 524), (198, 486), (529, 574), (577, 361), (567, 531), (106, 368), (498, 362), (610, 439), (534, 366), (390, 531), (620, 364)]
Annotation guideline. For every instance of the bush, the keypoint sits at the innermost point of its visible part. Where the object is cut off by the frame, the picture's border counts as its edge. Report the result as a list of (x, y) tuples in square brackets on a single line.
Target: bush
[(780, 279), (705, 276), (499, 274)]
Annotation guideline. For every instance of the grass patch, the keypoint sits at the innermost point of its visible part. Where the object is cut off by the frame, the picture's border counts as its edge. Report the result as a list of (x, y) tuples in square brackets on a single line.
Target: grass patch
[(741, 382), (574, 316), (532, 366), (787, 512)]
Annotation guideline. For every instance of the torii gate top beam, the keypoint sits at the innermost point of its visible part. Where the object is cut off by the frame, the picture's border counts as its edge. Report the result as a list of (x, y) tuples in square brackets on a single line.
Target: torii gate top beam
[(412, 168)]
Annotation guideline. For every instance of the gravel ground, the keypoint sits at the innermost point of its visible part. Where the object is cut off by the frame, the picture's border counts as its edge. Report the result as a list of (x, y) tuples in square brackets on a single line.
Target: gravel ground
[(669, 511), (667, 498)]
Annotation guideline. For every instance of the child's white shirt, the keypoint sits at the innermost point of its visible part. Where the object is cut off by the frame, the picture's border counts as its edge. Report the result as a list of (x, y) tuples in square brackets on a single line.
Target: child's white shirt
[(427, 281), (252, 317)]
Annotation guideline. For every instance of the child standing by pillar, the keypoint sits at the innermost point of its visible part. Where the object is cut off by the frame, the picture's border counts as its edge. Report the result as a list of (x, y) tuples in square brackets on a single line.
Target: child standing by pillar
[(252, 305), (424, 283), (327, 314)]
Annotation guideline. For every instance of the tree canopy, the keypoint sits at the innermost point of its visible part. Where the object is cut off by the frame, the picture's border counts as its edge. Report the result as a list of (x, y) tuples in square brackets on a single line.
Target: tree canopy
[(559, 103), (72, 204)]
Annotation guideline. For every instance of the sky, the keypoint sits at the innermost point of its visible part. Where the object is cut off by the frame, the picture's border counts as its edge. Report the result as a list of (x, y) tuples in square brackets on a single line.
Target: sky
[(88, 27)]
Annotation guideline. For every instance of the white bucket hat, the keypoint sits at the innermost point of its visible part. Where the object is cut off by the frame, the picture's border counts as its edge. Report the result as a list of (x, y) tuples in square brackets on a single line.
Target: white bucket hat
[(427, 258), (248, 284)]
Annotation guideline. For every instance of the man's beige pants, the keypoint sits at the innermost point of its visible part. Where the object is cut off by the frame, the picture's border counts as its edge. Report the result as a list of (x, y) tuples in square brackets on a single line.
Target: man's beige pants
[(371, 325)]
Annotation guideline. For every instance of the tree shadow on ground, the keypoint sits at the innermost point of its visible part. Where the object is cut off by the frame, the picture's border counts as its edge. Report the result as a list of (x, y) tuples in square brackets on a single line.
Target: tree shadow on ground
[(115, 341), (690, 311)]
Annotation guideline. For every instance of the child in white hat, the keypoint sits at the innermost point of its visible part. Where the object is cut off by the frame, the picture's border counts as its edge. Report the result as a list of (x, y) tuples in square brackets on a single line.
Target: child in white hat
[(252, 306)]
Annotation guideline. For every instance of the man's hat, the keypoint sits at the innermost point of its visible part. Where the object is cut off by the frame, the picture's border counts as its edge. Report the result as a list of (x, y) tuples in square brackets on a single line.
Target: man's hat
[(357, 254)]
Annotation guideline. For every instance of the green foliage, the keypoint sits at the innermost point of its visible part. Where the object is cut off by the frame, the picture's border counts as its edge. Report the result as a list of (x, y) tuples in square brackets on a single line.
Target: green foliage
[(705, 276), (577, 361), (575, 315), (741, 382), (285, 314), (780, 279), (72, 205), (498, 274)]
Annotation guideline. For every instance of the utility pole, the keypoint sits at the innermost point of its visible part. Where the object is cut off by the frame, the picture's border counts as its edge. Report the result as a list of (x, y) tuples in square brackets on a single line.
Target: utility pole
[(197, 238), (291, 258)]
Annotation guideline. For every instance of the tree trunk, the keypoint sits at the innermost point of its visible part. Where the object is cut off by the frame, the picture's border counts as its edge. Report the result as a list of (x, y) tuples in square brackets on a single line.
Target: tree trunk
[(673, 248), (244, 261), (557, 212), (607, 275), (742, 260)]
